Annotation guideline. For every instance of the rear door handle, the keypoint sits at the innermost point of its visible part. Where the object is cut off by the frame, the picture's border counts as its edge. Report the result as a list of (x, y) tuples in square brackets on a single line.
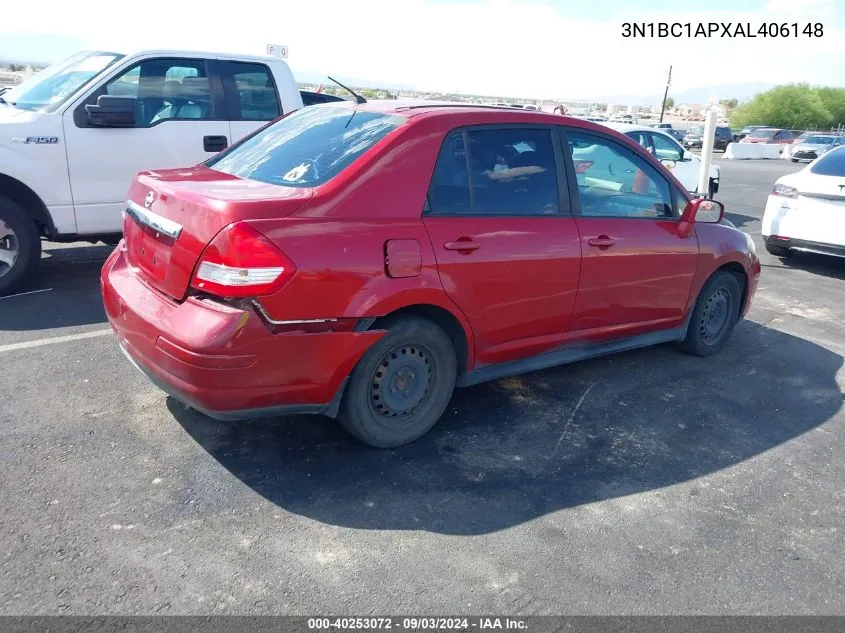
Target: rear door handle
[(602, 241), (462, 245), (214, 143)]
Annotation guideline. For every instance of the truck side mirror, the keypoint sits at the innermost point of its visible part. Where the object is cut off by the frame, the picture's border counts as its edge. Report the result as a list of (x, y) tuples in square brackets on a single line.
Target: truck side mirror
[(113, 111)]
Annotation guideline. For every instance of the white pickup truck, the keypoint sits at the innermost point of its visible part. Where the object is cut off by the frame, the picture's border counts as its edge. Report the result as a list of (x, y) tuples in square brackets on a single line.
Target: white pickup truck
[(73, 136)]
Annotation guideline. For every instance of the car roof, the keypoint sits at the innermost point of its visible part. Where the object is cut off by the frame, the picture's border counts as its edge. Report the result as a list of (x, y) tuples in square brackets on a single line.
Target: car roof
[(417, 108)]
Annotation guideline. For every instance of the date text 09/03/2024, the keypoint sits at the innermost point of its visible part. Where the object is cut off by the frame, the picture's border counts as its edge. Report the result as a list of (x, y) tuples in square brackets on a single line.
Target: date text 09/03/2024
[(722, 29)]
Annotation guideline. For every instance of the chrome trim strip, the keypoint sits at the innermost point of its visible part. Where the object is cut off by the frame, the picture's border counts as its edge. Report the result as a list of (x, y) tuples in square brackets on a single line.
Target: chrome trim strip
[(153, 220), (260, 309)]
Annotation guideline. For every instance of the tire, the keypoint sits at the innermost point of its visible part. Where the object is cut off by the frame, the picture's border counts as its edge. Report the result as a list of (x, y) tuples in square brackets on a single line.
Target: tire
[(794, 160), (714, 315), (711, 189), (778, 251), (413, 346), (19, 240)]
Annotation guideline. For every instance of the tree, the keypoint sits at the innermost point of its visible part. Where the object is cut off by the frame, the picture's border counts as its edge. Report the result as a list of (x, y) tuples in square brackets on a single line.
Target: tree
[(729, 104), (670, 103), (834, 100), (793, 106)]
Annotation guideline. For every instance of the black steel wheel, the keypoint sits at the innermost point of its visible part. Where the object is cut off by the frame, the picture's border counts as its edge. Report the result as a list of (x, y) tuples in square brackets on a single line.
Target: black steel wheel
[(714, 315), (402, 385)]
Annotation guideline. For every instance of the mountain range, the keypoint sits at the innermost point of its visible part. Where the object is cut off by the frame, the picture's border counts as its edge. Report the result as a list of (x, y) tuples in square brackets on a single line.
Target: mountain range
[(701, 94)]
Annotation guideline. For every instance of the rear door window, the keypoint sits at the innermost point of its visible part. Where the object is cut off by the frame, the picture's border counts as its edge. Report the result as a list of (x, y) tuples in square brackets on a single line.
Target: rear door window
[(307, 148), (496, 171), (251, 92)]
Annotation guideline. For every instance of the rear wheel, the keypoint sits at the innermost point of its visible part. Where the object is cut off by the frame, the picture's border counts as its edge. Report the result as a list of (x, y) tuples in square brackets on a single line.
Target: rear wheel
[(714, 315), (401, 386), (778, 251), (794, 160), (20, 246)]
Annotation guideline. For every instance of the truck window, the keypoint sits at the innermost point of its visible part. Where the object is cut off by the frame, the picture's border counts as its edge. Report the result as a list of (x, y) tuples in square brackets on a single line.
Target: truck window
[(166, 89), (255, 97)]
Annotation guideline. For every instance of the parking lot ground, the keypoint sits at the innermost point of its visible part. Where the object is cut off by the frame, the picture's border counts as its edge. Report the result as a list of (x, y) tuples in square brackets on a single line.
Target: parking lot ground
[(648, 482)]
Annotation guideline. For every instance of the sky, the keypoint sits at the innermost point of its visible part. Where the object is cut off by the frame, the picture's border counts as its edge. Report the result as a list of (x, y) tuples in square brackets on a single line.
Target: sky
[(532, 48)]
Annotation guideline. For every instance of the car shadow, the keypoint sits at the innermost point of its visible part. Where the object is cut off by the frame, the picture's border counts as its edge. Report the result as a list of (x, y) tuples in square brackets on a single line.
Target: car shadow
[(514, 450), (825, 265), (739, 220), (64, 293)]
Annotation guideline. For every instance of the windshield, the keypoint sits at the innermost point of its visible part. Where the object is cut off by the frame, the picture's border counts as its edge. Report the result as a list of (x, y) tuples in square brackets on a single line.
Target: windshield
[(696, 131), (831, 163), (47, 90), (764, 133), (819, 140), (307, 148)]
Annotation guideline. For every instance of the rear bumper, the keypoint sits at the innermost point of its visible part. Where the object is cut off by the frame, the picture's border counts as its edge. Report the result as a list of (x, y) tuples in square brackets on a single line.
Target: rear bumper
[(224, 361), (836, 250)]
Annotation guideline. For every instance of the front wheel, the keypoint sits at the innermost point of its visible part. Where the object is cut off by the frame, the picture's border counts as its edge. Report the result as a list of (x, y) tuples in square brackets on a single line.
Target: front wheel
[(714, 315), (711, 189), (20, 246), (402, 385)]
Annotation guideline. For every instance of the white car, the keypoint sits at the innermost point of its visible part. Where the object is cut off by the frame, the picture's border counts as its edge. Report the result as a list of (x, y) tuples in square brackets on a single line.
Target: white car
[(806, 210), (684, 165)]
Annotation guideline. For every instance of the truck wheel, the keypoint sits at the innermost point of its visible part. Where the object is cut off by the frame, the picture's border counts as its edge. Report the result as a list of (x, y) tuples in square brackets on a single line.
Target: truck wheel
[(711, 189), (714, 315), (401, 386), (20, 246)]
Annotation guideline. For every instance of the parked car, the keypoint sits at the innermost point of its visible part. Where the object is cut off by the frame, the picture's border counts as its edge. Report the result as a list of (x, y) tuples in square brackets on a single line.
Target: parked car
[(73, 136), (661, 126), (361, 261), (678, 135), (310, 97), (684, 165), (748, 129), (769, 135), (694, 138), (800, 137), (804, 211), (814, 146)]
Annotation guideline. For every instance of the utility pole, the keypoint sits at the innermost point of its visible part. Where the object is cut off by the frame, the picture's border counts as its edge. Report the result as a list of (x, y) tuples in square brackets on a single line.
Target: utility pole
[(666, 94)]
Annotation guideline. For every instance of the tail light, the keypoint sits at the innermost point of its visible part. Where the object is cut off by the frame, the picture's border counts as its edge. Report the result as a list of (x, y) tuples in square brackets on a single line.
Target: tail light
[(241, 262), (784, 191)]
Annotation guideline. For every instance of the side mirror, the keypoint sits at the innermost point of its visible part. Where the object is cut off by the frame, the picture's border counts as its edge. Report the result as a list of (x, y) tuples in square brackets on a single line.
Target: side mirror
[(113, 111), (688, 155), (703, 210)]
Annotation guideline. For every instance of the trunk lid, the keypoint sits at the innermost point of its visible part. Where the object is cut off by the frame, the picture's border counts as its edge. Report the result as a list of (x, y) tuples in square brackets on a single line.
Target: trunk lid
[(172, 215)]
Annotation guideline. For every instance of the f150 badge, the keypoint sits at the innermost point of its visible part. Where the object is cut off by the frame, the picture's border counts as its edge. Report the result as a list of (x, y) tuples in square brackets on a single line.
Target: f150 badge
[(36, 140)]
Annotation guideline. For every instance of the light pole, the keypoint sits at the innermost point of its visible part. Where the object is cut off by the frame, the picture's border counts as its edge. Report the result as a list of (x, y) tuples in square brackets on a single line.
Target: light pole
[(666, 94)]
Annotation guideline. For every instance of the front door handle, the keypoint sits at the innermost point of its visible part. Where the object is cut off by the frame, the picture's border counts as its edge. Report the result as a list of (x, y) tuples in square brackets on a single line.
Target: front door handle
[(602, 241), (214, 143), (465, 244)]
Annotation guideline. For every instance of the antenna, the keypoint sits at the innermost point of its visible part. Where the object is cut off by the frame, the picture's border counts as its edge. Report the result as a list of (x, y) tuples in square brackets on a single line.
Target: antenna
[(358, 98)]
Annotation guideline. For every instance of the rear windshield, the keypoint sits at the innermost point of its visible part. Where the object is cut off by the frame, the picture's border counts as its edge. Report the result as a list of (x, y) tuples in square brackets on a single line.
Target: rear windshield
[(764, 133), (306, 148), (819, 140), (830, 164)]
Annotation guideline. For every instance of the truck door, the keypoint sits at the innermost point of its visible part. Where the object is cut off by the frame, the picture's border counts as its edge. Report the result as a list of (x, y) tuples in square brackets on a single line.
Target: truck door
[(252, 97), (181, 120)]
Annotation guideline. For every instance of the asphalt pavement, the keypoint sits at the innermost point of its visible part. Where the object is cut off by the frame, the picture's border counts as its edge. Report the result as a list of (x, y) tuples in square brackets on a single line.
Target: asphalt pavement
[(645, 483)]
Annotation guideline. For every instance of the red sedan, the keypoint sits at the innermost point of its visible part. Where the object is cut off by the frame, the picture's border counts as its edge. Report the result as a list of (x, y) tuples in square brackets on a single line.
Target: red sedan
[(361, 261)]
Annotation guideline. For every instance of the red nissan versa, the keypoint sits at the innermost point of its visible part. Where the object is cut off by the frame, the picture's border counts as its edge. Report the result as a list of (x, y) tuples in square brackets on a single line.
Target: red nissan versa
[(361, 261)]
